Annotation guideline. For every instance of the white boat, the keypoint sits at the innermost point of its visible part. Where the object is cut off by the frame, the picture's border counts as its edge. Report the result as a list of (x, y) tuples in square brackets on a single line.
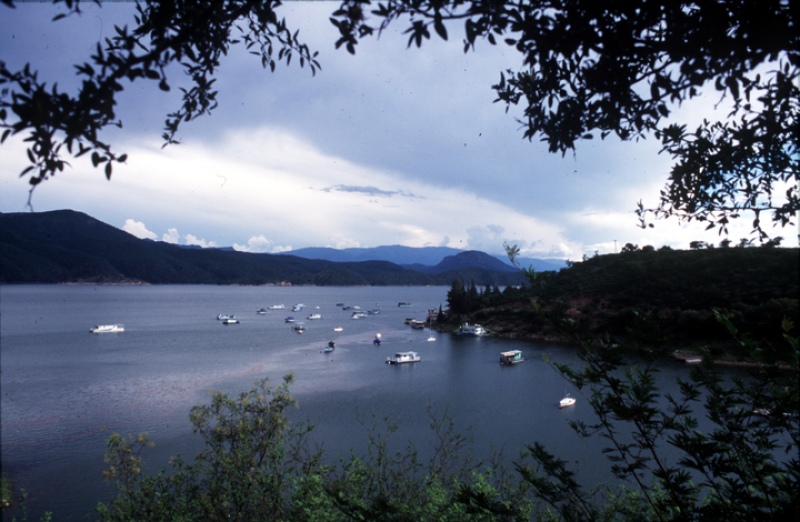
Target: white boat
[(230, 320), (289, 319), (403, 357), (511, 357), (222, 317), (107, 328), (314, 317), (277, 307), (298, 307), (472, 329), (338, 329), (261, 311), (566, 401), (359, 315)]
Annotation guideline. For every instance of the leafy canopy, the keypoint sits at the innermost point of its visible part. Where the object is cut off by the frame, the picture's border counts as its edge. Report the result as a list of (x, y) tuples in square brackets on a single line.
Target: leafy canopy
[(193, 35), (587, 69), (600, 68)]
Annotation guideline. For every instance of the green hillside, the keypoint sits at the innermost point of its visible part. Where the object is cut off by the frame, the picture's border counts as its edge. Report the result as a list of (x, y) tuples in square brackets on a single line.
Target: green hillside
[(661, 300)]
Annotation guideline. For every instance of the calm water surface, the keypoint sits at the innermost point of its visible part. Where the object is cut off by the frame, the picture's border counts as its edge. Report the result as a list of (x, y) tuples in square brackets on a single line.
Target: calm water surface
[(64, 390)]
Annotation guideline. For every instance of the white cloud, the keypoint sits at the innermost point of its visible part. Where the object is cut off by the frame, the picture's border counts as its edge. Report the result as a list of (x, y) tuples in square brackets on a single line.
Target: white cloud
[(193, 240), (391, 146), (256, 244), (171, 236), (138, 229)]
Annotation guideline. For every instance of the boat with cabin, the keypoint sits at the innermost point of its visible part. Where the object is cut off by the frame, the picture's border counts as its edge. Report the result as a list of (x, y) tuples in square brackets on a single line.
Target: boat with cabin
[(474, 330), (511, 357), (403, 357)]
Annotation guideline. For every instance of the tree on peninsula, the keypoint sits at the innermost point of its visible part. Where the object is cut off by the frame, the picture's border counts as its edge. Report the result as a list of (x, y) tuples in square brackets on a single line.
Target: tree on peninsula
[(588, 70)]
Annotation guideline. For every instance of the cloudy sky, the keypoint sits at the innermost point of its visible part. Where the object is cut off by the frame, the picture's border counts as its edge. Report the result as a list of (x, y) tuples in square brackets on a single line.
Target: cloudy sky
[(390, 146)]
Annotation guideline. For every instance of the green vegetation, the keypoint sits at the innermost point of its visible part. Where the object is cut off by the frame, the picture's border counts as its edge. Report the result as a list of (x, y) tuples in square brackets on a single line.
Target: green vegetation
[(257, 465), (647, 299)]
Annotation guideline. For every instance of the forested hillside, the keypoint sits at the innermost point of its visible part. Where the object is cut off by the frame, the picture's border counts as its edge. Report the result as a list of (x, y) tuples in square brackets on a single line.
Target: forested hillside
[(660, 299), (71, 247)]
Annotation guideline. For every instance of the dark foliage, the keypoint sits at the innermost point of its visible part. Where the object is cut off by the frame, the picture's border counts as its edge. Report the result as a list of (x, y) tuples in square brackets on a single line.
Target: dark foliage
[(593, 69), (655, 299)]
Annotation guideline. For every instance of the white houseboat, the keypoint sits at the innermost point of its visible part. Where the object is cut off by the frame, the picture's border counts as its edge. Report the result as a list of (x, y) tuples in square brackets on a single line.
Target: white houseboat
[(403, 357), (472, 329), (511, 357)]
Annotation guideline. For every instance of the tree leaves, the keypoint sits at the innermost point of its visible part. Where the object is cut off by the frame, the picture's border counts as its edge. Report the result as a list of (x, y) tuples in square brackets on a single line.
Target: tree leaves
[(622, 68), (192, 35)]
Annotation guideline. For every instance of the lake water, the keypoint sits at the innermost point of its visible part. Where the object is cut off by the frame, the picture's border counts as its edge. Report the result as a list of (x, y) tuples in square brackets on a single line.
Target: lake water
[(64, 390)]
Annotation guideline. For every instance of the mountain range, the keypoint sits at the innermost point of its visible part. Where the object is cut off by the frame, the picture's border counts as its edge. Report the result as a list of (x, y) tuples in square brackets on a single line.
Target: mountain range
[(67, 246), (427, 259)]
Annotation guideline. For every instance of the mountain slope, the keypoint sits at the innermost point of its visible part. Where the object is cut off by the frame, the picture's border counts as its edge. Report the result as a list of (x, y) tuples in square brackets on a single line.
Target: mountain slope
[(68, 246)]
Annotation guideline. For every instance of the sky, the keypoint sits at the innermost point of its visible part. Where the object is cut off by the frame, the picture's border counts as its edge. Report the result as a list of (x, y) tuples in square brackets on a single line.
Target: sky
[(392, 146)]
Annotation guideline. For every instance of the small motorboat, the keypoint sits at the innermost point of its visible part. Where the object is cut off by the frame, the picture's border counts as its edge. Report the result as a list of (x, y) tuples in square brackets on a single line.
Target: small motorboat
[(230, 320), (330, 347), (314, 317), (222, 317), (107, 328), (377, 340), (338, 329), (567, 401)]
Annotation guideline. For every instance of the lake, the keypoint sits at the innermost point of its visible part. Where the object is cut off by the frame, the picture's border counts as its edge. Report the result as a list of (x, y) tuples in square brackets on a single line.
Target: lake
[(65, 390)]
